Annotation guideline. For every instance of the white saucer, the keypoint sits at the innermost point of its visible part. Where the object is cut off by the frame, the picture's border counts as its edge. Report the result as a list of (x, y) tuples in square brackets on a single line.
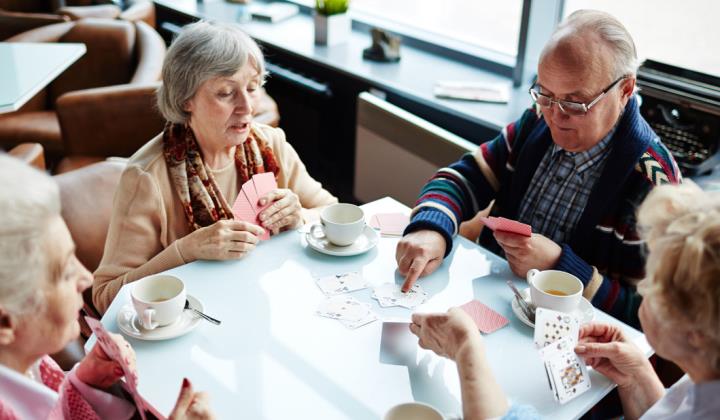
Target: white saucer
[(129, 324), (364, 243), (584, 312)]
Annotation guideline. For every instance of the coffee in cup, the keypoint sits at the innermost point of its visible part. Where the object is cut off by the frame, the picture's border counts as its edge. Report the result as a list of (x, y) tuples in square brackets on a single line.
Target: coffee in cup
[(159, 300), (340, 223), (556, 290)]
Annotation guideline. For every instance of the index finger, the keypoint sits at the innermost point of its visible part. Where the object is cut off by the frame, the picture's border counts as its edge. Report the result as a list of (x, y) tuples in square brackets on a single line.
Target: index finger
[(241, 225), (273, 195), (417, 266)]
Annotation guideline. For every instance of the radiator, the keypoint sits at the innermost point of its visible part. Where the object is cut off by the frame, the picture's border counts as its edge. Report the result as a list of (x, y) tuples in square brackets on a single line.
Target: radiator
[(396, 152)]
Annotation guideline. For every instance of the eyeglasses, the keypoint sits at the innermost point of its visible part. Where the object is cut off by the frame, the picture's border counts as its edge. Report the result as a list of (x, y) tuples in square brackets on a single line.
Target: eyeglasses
[(574, 109)]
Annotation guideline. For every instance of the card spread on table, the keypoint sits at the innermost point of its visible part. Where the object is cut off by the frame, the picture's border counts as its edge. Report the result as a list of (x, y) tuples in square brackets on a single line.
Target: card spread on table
[(567, 374), (247, 206), (390, 224), (551, 326), (486, 319), (348, 310), (501, 224), (114, 352), (336, 284), (389, 294)]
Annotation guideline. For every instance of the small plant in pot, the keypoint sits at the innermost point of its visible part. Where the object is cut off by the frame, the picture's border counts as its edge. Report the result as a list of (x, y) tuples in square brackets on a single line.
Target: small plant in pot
[(332, 22)]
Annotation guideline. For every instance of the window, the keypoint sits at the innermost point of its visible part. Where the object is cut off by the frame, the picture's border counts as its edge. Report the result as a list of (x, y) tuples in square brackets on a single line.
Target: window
[(683, 34)]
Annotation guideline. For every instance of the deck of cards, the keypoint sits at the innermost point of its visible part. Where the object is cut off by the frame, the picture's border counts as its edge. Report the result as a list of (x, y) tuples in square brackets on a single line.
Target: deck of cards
[(348, 310), (246, 205), (501, 224), (486, 319), (556, 334), (389, 294), (390, 224), (336, 284)]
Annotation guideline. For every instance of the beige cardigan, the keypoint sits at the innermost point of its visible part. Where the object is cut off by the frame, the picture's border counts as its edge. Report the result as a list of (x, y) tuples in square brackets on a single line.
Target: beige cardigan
[(148, 217)]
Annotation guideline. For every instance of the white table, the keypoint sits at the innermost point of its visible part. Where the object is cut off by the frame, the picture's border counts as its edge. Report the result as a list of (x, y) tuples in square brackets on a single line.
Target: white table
[(26, 68), (273, 358)]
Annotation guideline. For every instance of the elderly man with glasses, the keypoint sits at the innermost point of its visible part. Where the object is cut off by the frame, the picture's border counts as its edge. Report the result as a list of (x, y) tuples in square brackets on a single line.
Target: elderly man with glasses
[(575, 167)]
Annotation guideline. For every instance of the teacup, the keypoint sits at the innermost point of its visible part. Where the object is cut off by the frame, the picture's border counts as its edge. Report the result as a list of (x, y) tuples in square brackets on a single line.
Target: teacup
[(159, 300), (341, 224), (413, 411), (556, 290)]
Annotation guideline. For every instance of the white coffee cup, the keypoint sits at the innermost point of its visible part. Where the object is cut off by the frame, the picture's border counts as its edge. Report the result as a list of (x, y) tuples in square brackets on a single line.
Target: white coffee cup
[(413, 411), (159, 300), (556, 290), (341, 224)]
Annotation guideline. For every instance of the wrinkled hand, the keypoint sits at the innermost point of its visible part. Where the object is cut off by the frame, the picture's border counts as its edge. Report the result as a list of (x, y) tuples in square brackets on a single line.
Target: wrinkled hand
[(191, 405), (98, 370), (223, 240), (284, 213), (446, 334), (525, 253), (607, 350), (418, 254)]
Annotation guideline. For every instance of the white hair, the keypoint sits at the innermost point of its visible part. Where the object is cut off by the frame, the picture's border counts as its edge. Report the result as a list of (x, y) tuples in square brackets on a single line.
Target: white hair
[(29, 201), (610, 31), (203, 51)]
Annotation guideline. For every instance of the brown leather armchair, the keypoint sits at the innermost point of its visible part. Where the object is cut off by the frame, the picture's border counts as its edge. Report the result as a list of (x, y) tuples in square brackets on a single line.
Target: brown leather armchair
[(117, 121), (118, 53), (20, 16)]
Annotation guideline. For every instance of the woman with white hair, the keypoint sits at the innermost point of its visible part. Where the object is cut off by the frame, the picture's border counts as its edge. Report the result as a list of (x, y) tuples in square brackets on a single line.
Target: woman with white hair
[(41, 285), (172, 204), (680, 315)]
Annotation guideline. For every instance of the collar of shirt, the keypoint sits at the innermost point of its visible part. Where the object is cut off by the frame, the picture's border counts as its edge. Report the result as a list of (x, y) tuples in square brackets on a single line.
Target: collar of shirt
[(588, 158)]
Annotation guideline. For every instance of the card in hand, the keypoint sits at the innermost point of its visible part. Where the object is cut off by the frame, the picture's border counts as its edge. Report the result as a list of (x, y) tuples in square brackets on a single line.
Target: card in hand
[(486, 319), (501, 224), (113, 351), (389, 294), (336, 284), (551, 326), (566, 371)]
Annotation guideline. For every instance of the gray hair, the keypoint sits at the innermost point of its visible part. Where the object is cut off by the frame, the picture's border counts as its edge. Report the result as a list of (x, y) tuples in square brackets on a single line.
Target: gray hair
[(203, 51), (29, 201), (612, 32)]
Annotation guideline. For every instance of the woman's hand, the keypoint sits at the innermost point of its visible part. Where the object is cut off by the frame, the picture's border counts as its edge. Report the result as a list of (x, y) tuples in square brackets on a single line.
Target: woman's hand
[(607, 350), (191, 405), (284, 212), (447, 334), (223, 240), (98, 370)]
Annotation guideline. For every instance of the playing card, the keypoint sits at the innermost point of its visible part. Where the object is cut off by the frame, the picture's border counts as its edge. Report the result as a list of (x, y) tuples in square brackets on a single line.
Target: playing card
[(392, 224), (336, 284), (486, 319), (114, 352), (264, 183), (502, 224), (568, 373), (551, 326), (248, 190), (343, 307), (389, 294), (243, 210)]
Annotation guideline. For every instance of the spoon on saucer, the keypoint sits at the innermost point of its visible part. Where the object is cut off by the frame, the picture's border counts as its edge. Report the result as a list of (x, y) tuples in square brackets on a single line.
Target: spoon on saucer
[(202, 315), (528, 310)]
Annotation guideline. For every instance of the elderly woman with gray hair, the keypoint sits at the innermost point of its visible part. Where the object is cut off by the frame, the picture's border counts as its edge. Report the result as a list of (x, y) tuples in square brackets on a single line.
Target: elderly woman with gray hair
[(41, 285), (680, 315), (172, 204)]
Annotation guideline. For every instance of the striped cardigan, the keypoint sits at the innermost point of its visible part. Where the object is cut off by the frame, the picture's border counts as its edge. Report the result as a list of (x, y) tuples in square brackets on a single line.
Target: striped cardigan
[(605, 251)]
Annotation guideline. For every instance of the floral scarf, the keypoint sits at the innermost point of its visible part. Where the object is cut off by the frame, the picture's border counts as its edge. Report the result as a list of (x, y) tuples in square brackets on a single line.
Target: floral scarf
[(201, 198)]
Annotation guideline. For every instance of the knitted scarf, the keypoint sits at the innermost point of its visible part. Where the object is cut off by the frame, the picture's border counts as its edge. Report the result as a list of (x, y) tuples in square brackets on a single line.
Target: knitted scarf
[(202, 201)]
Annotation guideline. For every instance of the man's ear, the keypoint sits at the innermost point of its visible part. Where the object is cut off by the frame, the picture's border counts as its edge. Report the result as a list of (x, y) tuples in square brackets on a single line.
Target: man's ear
[(627, 88), (7, 327)]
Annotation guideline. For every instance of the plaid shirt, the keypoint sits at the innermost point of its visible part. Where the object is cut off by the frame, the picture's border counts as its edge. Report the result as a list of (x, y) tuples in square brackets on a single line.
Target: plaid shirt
[(560, 188)]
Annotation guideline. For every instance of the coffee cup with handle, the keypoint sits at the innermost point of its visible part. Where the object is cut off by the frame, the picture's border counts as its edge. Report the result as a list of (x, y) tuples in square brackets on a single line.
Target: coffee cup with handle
[(159, 300), (554, 289), (340, 223)]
